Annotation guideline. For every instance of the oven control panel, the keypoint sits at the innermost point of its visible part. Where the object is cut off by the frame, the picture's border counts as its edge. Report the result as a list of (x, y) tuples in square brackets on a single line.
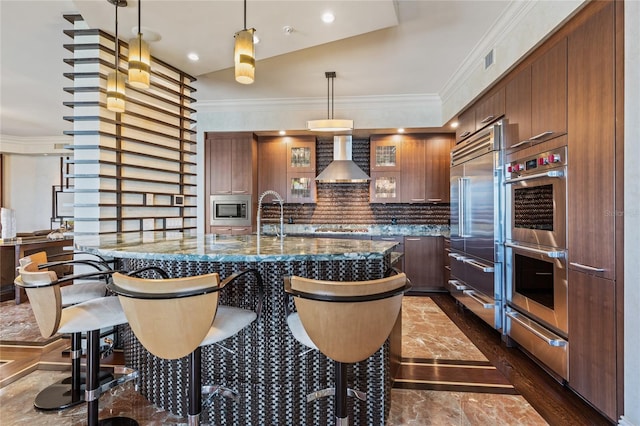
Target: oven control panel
[(537, 163)]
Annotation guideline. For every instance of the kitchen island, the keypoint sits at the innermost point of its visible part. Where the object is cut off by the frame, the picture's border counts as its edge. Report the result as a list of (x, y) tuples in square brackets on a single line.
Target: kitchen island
[(270, 370)]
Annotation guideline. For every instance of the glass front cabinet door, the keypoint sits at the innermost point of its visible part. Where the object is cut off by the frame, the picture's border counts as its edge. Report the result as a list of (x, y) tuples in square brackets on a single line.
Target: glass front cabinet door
[(384, 187)]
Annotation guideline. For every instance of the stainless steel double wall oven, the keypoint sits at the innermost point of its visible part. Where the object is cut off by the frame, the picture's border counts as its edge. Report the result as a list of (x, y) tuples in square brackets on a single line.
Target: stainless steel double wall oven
[(535, 256), (477, 203)]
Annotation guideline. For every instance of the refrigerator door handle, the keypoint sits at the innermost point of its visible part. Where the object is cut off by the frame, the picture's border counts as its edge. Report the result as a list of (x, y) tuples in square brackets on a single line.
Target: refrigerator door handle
[(463, 208)]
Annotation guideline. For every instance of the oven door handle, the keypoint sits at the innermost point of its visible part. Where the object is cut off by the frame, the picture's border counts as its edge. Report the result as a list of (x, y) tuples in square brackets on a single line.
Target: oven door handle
[(550, 339), (553, 254), (552, 174), (472, 294), (481, 266)]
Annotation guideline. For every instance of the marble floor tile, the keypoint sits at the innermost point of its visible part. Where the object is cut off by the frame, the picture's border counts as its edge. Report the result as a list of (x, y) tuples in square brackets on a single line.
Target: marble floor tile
[(427, 332)]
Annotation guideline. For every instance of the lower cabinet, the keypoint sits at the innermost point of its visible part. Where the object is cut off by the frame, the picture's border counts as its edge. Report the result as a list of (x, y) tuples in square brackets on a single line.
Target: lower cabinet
[(230, 230), (592, 340), (424, 263)]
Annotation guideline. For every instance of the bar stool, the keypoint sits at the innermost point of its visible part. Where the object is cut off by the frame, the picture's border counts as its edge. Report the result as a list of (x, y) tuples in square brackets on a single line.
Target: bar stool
[(69, 391), (43, 290), (158, 311), (346, 321)]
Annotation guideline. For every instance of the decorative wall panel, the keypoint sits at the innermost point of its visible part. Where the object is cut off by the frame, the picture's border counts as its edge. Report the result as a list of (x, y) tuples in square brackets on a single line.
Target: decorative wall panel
[(135, 170)]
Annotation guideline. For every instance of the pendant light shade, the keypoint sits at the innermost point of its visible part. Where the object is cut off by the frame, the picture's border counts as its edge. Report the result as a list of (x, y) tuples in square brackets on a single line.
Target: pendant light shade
[(330, 124), (139, 58), (244, 56), (115, 92), (115, 79)]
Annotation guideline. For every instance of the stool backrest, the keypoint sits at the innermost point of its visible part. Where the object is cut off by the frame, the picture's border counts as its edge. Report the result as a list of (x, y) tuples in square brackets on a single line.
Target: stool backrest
[(348, 321), (168, 322), (44, 296)]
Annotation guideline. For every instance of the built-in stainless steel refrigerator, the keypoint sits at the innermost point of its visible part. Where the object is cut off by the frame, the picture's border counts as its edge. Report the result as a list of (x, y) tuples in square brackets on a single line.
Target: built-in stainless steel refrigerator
[(477, 236)]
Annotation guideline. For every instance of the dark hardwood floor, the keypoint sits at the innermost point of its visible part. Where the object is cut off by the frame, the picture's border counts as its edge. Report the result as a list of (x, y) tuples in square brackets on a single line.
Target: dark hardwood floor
[(556, 403)]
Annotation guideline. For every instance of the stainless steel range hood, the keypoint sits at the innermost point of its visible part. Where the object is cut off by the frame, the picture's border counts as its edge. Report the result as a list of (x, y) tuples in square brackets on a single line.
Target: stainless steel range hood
[(342, 169)]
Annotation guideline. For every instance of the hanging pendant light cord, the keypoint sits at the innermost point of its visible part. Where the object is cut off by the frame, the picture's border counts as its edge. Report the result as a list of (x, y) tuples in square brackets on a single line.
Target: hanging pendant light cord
[(245, 15), (117, 55)]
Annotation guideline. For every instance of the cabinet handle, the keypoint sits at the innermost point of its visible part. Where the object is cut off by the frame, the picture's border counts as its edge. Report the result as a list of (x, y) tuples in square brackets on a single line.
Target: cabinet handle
[(221, 192), (586, 267), (457, 285), (548, 337), (474, 296), (487, 119), (480, 266), (243, 191), (541, 135), (465, 134), (520, 143), (412, 239), (417, 199), (434, 199)]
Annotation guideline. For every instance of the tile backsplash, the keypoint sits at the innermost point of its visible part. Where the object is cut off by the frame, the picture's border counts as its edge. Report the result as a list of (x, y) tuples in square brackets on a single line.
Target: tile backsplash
[(349, 202)]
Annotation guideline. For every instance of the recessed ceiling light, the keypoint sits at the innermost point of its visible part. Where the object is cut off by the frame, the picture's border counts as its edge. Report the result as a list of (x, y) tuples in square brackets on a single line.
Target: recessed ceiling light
[(454, 124), (282, 132), (193, 56), (400, 130), (328, 17)]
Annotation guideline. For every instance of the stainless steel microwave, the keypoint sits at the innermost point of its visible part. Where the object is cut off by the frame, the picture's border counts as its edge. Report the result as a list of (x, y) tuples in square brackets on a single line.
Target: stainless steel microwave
[(230, 210)]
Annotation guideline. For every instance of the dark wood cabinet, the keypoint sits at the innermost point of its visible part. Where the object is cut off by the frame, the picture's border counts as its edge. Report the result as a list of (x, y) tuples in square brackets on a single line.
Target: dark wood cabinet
[(536, 99), (288, 166), (549, 94), (437, 166), (489, 108), (424, 263), (385, 153), (272, 156), (410, 168), (595, 290), (385, 156), (592, 340), (592, 147), (518, 110), (232, 163), (466, 124), (413, 173)]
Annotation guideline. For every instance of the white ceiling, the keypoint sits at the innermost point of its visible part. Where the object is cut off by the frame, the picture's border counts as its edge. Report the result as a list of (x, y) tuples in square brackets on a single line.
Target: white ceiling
[(376, 47)]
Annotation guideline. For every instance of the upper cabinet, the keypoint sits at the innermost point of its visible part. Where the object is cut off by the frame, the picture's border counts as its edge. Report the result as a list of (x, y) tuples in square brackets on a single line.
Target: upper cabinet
[(385, 153), (232, 163), (288, 166), (536, 99), (484, 112), (489, 108), (410, 168)]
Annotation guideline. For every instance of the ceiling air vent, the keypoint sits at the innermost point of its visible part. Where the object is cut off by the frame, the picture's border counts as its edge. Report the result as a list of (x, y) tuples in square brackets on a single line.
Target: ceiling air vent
[(488, 59)]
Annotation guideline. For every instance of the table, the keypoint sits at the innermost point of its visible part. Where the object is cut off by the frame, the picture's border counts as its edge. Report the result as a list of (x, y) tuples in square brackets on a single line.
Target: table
[(272, 372), (11, 251)]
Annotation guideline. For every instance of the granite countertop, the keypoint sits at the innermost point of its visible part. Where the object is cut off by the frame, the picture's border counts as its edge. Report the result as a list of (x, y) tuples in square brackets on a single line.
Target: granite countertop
[(230, 248), (364, 230)]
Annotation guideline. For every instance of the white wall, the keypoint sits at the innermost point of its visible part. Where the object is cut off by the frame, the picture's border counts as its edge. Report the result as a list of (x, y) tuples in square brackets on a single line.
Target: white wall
[(631, 215), (27, 184)]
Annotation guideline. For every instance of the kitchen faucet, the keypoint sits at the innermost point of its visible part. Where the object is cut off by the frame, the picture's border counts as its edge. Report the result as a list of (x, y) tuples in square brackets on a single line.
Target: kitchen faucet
[(281, 200)]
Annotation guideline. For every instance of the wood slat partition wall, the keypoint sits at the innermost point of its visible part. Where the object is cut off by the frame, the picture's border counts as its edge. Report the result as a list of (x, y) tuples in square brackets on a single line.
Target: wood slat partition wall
[(128, 167)]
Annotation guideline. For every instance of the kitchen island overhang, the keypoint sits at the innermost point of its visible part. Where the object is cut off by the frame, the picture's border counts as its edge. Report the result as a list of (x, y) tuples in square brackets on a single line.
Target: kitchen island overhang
[(271, 371)]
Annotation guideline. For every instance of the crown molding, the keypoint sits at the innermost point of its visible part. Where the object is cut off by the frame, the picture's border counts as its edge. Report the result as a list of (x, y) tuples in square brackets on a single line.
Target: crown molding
[(518, 30), (35, 144), (296, 104)]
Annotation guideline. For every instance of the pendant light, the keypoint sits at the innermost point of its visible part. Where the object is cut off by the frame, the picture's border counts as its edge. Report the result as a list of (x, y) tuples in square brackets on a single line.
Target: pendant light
[(115, 79), (139, 58), (330, 124), (244, 56)]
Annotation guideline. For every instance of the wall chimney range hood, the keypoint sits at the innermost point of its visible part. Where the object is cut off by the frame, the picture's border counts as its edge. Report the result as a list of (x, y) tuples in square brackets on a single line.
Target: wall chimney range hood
[(342, 169)]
